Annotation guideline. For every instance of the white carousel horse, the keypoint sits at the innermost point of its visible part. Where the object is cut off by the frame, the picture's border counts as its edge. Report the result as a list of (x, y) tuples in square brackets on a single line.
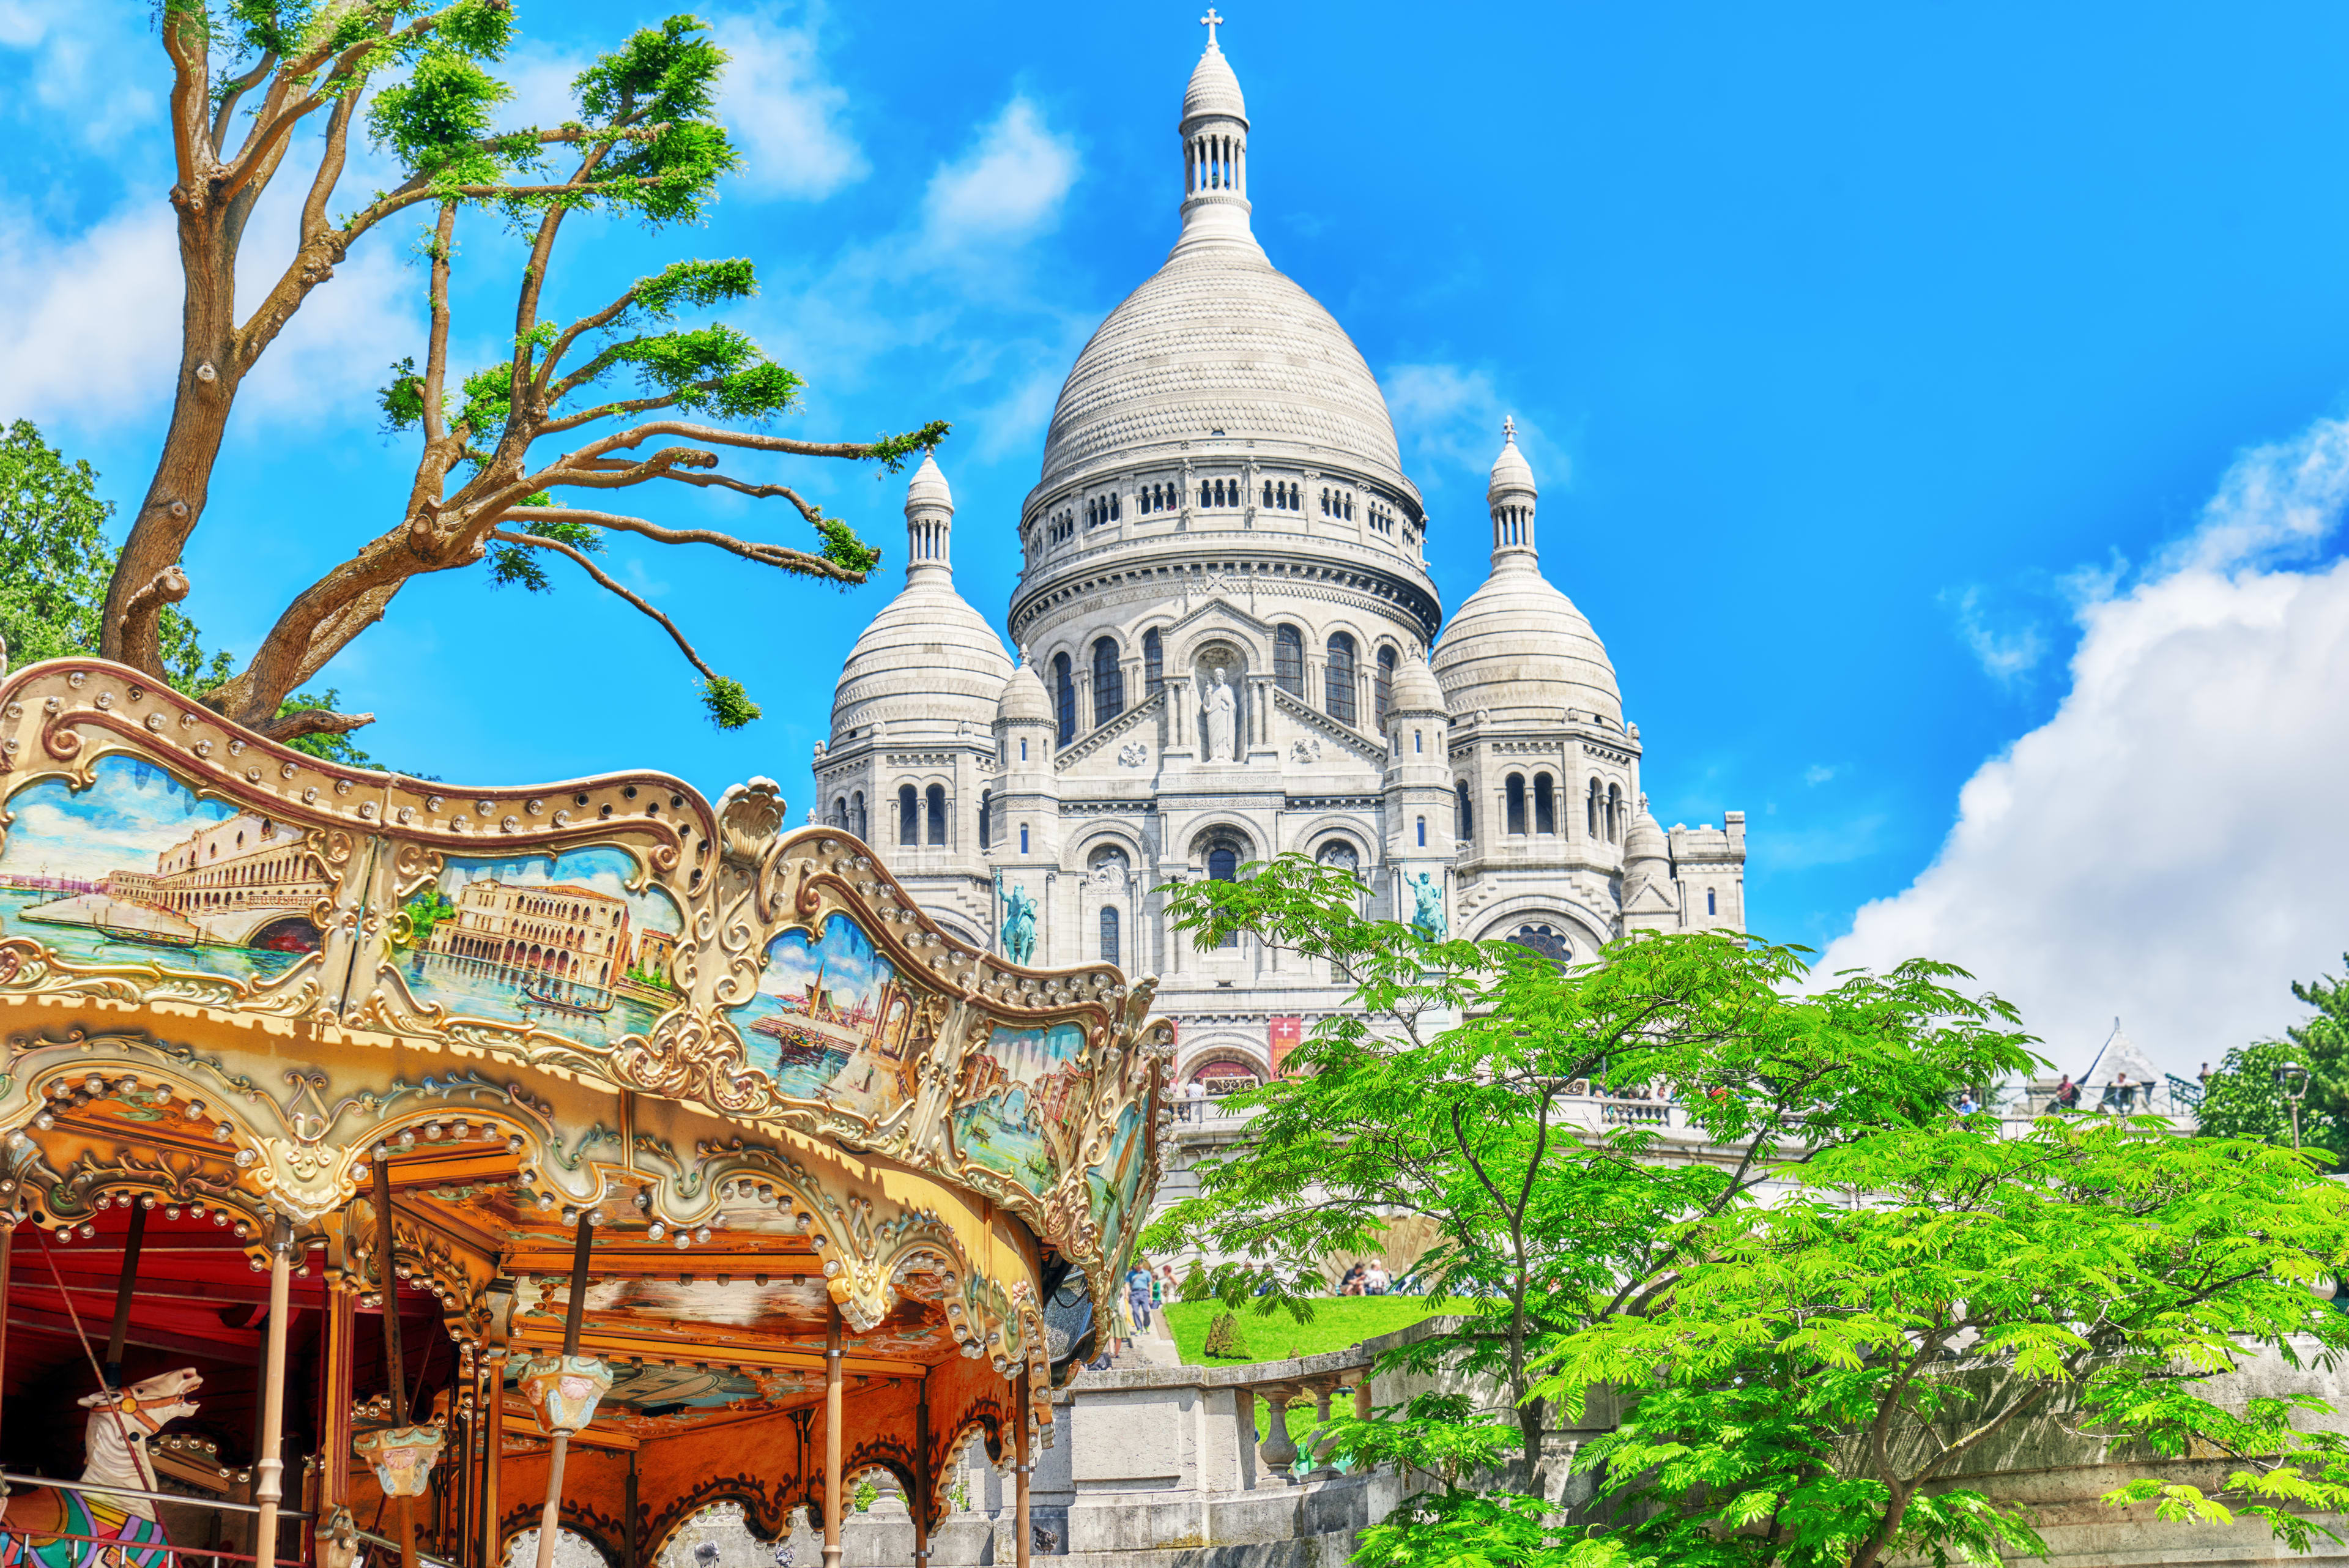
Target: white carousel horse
[(41, 1522)]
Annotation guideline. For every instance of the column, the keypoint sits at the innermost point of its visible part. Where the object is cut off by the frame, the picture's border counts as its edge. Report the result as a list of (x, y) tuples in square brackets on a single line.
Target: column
[(1022, 1464), (269, 1465), (832, 1393)]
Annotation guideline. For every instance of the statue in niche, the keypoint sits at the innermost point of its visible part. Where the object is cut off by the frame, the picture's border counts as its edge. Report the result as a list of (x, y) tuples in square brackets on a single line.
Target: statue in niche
[(1219, 719), (114, 1529), (1019, 925), (1427, 904)]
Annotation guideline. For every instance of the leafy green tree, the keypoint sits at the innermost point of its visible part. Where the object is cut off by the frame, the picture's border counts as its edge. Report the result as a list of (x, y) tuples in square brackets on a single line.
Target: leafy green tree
[(1812, 1387), (55, 560), (2242, 1099), (647, 390), (1454, 1087), (54, 563)]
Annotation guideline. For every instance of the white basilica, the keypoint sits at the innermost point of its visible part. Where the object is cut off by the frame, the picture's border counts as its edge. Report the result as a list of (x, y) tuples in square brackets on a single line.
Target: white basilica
[(1224, 617)]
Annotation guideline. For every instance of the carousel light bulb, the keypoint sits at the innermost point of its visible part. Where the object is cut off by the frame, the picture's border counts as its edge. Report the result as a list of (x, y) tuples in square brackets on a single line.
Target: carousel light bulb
[(195, 1111), (171, 1213), (101, 1202), (513, 1143), (44, 1121), (147, 1201), (656, 1230), (702, 1234), (87, 1230), (407, 1138), (94, 1083), (683, 1240), (221, 1133), (570, 1215), (196, 1210), (245, 1157), (433, 1131)]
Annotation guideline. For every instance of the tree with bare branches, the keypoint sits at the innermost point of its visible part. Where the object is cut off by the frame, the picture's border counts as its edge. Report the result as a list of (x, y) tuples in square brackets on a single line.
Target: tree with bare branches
[(647, 388)]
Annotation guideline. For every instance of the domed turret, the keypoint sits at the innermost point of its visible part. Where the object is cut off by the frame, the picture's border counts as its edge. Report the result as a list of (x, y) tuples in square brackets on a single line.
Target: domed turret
[(1415, 689), (1518, 649), (1214, 89), (1650, 892), (1644, 848), (928, 662), (1023, 699)]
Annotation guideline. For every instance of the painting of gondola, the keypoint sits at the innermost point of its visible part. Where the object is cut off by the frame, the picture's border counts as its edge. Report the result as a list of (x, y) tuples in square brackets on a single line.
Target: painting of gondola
[(1019, 1101), (136, 868), (557, 942), (833, 1021)]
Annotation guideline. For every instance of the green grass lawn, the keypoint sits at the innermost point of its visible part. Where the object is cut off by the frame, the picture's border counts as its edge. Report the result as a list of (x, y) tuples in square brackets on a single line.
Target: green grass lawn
[(1337, 1322)]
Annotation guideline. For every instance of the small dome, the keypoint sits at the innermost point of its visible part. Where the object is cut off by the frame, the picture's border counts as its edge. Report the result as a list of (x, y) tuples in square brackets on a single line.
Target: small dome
[(1645, 842), (1214, 88), (1415, 689), (1520, 649), (1024, 700), (928, 487), (928, 662), (1510, 470)]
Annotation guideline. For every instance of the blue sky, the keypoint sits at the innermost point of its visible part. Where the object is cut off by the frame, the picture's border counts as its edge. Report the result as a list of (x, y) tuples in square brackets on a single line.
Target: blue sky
[(1879, 364)]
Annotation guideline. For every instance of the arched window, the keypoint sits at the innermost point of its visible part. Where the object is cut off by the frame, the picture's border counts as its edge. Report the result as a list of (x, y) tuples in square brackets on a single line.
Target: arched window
[(1288, 660), (1109, 682), (1593, 809), (1108, 935), (1154, 663), (938, 803), (840, 812), (1517, 798), (1023, 838), (1223, 864), (1064, 696), (859, 824), (1339, 696), (1115, 510), (1266, 500), (1710, 906), (1341, 855), (909, 815), (985, 828), (1548, 940), (1544, 805), (1384, 685), (1465, 812), (1423, 833), (1615, 812)]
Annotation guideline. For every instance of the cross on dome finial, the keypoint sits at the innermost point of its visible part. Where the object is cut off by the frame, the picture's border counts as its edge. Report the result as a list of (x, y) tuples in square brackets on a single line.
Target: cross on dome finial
[(1508, 426), (1210, 22)]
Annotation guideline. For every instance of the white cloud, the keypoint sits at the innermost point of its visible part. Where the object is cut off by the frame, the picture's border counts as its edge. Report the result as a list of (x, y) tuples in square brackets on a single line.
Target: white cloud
[(2163, 847), (2006, 653), (1817, 773), (94, 71), (787, 116), (1008, 188), (88, 323), (1453, 416)]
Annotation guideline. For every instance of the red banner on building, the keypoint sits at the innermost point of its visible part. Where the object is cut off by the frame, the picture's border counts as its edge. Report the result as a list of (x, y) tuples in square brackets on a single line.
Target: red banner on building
[(1287, 1034)]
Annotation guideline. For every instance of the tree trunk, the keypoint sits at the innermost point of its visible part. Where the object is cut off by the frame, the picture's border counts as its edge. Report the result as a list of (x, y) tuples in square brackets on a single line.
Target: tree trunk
[(210, 369)]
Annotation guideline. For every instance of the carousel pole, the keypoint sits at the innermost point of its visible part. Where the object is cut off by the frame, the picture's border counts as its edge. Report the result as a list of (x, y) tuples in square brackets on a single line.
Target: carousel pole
[(832, 1499), (123, 1290), (574, 1312), (1021, 1464), (269, 1465), (335, 1375), (395, 1363), (628, 1520), (493, 1449), (924, 1480), (7, 1262)]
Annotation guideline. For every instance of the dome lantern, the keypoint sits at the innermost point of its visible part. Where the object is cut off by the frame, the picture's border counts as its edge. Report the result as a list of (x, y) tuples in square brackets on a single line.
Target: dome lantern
[(1215, 127), (929, 521), (1511, 496)]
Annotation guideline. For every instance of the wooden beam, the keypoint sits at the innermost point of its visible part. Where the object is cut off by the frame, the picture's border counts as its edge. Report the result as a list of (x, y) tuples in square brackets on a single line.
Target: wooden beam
[(226, 1344), (619, 1345)]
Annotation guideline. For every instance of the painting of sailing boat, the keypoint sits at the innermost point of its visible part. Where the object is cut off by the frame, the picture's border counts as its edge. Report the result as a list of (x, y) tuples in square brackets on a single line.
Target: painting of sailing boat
[(136, 869), (833, 1022)]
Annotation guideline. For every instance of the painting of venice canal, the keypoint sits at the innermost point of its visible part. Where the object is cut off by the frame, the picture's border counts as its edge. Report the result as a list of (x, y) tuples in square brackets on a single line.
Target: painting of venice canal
[(136, 869), (555, 943), (1016, 1108), (832, 1022)]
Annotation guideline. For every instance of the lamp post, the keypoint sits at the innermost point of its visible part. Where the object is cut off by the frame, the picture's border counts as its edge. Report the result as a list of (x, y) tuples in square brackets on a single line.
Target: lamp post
[(2292, 1082)]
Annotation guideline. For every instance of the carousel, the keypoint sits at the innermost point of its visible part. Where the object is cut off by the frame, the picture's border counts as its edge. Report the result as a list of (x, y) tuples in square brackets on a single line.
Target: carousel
[(389, 1168)]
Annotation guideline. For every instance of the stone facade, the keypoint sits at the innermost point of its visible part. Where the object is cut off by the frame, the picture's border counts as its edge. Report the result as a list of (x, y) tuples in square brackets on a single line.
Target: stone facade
[(1230, 650)]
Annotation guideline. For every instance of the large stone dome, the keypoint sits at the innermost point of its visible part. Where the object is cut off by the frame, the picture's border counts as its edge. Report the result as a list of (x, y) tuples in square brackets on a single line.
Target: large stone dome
[(928, 660), (1519, 650), (1220, 341)]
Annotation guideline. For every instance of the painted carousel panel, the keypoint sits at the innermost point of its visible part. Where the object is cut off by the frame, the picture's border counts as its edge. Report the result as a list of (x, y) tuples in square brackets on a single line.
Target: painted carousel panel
[(1115, 1185), (138, 869), (552, 942), (1022, 1106), (833, 1021)]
